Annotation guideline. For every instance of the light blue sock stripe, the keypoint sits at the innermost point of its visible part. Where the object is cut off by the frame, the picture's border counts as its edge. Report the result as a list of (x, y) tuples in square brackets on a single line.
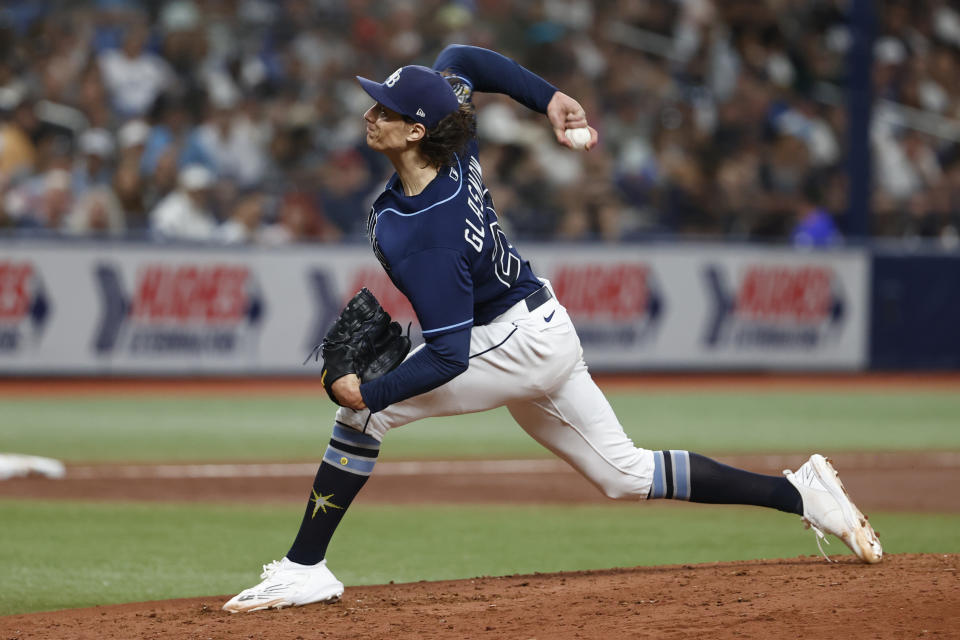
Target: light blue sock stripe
[(349, 462), (351, 436), (659, 489), (681, 475)]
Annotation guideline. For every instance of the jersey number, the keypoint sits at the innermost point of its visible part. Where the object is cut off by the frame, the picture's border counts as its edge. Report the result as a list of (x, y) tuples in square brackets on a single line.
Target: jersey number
[(505, 264)]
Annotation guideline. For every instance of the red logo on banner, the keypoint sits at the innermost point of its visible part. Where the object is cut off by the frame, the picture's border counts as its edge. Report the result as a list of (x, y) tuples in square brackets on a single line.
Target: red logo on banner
[(14, 289), (618, 292), (801, 294), (214, 294)]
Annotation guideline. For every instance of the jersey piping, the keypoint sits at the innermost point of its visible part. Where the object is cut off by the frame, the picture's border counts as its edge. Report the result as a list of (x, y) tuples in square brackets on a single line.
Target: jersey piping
[(499, 344), (435, 204), (449, 326)]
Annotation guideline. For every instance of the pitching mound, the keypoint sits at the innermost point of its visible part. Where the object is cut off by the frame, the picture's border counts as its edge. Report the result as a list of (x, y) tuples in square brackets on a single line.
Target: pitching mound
[(905, 596)]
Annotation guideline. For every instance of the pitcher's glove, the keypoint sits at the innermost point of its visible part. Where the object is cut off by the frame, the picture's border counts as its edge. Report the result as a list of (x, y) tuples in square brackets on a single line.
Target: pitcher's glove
[(363, 341)]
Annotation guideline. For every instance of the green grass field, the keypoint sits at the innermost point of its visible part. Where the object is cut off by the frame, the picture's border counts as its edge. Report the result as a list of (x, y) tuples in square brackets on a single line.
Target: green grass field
[(297, 428), (62, 555), (69, 554)]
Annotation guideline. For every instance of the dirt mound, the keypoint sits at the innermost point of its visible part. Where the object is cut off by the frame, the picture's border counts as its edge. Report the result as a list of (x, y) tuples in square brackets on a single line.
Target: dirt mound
[(905, 596)]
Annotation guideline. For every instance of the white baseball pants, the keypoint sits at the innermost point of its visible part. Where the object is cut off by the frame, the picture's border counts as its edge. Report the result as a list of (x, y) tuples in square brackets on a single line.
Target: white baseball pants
[(532, 363)]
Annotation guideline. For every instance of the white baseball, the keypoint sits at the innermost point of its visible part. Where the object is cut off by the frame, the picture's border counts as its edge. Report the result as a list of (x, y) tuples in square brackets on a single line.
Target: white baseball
[(579, 138)]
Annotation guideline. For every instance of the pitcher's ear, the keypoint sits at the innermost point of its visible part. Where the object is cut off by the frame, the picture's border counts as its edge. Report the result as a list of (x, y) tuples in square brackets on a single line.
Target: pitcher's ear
[(416, 132)]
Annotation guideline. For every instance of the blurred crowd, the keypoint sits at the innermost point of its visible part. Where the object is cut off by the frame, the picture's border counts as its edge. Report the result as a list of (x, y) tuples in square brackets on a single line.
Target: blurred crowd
[(239, 121)]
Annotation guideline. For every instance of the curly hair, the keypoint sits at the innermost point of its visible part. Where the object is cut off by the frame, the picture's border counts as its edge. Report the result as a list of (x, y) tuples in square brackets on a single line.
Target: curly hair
[(449, 137)]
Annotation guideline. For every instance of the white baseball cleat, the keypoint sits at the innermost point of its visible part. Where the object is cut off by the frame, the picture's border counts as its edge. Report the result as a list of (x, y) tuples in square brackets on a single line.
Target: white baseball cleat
[(828, 509), (288, 584)]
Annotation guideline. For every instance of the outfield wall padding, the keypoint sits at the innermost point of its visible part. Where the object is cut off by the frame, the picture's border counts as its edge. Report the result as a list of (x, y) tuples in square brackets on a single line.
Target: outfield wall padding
[(129, 308), (915, 311)]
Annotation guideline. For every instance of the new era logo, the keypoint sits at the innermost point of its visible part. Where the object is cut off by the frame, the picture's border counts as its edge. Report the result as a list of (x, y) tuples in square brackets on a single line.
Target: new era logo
[(421, 114)]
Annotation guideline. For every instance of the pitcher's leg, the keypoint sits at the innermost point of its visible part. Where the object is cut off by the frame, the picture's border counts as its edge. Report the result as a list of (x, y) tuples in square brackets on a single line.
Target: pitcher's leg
[(683, 475), (508, 363), (347, 463), (577, 423)]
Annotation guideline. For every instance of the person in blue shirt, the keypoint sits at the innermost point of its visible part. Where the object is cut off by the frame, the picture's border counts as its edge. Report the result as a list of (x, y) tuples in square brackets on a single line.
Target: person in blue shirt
[(494, 334)]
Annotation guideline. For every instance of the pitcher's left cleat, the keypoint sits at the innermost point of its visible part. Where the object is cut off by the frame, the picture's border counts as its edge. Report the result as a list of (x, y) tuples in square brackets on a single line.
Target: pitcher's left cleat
[(288, 584), (828, 509)]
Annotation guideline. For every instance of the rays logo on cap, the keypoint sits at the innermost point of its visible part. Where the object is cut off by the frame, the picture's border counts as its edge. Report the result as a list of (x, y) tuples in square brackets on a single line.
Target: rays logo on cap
[(392, 80), (414, 91)]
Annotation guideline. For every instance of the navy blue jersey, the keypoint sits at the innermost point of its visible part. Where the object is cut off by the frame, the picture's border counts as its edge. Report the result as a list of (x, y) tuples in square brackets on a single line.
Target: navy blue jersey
[(444, 249)]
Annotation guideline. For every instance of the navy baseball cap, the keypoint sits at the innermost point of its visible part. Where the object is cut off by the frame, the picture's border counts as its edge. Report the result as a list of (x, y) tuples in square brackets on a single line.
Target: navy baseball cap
[(420, 93)]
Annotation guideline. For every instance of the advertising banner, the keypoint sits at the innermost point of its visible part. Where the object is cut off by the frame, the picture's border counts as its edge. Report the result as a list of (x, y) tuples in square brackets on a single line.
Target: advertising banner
[(90, 308), (713, 306), (140, 308)]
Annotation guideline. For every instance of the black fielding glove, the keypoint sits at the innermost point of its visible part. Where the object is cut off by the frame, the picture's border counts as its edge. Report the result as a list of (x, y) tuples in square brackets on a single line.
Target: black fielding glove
[(363, 341)]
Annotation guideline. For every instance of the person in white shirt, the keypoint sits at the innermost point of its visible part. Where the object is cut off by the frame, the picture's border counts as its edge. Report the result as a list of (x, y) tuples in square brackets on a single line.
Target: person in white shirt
[(234, 141), (184, 214), (133, 76)]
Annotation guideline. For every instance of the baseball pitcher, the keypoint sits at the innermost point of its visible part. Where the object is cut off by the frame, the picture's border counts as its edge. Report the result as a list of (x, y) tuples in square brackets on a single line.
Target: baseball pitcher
[(495, 334)]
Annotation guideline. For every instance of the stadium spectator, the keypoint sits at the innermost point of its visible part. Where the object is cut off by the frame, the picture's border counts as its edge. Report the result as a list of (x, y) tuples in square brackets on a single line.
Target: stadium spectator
[(132, 139), (185, 213), (171, 132), (162, 180), (712, 114), (97, 212), (56, 200), (232, 140), (132, 75), (298, 220), (18, 153), (130, 189), (347, 182), (244, 223), (92, 168), (814, 226)]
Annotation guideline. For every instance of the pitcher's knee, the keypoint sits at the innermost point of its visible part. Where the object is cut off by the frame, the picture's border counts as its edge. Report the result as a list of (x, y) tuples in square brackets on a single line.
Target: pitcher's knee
[(362, 421), (622, 486)]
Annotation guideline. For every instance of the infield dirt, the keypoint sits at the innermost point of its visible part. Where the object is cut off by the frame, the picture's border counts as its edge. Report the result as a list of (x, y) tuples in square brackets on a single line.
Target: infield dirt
[(906, 596)]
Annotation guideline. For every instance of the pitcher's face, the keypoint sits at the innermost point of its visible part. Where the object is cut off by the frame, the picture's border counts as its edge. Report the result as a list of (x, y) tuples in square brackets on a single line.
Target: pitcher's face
[(386, 129)]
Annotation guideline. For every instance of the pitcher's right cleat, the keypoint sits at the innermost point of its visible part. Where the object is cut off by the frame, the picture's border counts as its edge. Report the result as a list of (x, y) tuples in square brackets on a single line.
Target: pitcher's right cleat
[(828, 509), (288, 584)]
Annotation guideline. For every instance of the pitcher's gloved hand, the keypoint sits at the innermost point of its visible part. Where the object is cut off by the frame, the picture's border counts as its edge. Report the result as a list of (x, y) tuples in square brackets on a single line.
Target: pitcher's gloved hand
[(363, 341)]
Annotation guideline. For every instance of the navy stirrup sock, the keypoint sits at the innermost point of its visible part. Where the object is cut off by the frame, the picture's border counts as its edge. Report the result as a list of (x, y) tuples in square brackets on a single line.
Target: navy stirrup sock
[(347, 463), (682, 475)]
